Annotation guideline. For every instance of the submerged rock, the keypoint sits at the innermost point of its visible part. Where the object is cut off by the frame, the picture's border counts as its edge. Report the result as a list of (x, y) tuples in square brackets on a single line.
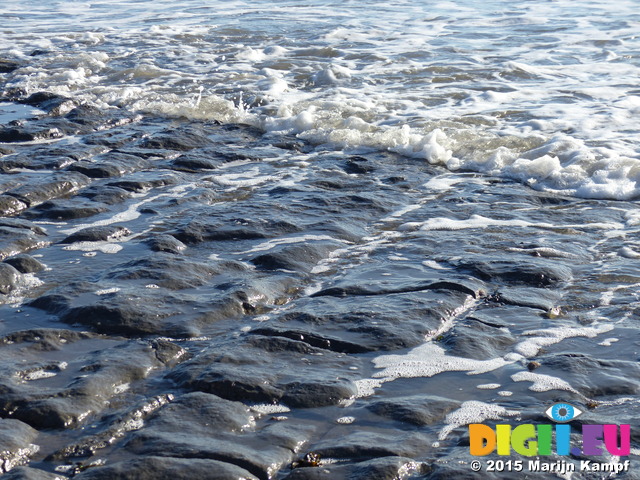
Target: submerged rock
[(257, 371), (25, 264), (16, 443), (204, 426), (37, 393), (105, 233), (153, 467), (9, 278)]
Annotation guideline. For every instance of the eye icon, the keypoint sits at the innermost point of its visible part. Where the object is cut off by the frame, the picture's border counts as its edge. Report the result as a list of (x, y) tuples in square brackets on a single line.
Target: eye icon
[(562, 412)]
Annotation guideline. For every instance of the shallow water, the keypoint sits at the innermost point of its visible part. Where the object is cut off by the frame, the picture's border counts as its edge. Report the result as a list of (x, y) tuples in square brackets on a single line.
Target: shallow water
[(256, 233), (545, 93)]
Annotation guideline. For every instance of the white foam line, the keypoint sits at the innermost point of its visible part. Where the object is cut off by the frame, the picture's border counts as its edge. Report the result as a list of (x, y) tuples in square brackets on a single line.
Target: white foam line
[(131, 213), (399, 213), (478, 221), (268, 245), (607, 296), (531, 347)]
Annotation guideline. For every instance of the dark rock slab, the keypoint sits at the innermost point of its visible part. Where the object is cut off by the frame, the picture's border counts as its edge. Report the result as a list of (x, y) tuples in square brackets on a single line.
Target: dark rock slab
[(268, 369), (166, 243), (385, 468), (360, 324), (65, 209), (198, 231), (358, 165), (29, 133), (105, 194), (58, 186), (204, 426), (477, 340), (180, 140), (418, 410), (362, 290), (51, 103), (7, 66), (27, 473), (9, 278), (373, 444), (173, 272), (25, 264), (102, 233), (542, 299), (132, 184), (112, 164), (153, 468), (543, 273), (18, 236), (591, 376), (46, 394), (118, 424), (298, 258), (16, 443), (10, 205), (196, 162)]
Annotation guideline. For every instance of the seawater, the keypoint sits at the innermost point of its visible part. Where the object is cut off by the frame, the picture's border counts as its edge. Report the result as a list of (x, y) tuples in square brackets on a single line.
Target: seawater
[(542, 92)]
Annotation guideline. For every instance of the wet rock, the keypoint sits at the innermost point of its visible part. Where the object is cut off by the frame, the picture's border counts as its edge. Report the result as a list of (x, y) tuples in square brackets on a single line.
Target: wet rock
[(28, 134), (386, 468), (16, 443), (314, 339), (81, 387), (27, 473), (591, 376), (529, 297), (298, 258), (9, 278), (58, 186), (103, 233), (418, 410), (166, 243), (200, 425), (197, 231), (36, 162), (25, 264), (361, 290), (195, 163), (45, 339), (461, 471), (256, 370), (172, 272), (122, 314), (152, 468), (312, 394), (176, 140), (10, 205), (140, 186), (19, 236), (539, 274), (358, 165), (119, 424), (112, 164), (105, 194), (374, 444), (7, 66), (50, 102), (66, 209), (365, 324), (477, 340)]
